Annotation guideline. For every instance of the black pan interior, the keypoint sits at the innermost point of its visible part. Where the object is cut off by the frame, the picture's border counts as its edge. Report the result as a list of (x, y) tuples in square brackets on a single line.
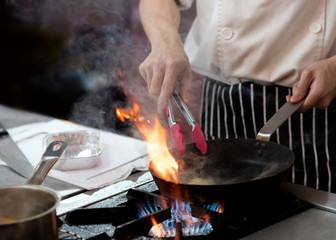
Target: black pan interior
[(231, 161)]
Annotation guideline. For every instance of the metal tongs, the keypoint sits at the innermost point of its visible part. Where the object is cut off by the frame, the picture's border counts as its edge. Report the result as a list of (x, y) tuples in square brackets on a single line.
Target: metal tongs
[(175, 129)]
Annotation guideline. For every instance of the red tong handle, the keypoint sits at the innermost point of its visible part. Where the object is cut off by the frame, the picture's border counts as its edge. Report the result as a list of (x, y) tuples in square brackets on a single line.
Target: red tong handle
[(197, 133), (175, 132), (177, 136), (199, 139)]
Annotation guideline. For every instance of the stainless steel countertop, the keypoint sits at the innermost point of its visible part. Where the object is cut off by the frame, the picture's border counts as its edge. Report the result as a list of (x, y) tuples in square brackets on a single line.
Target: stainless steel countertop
[(315, 223), (311, 224), (10, 118)]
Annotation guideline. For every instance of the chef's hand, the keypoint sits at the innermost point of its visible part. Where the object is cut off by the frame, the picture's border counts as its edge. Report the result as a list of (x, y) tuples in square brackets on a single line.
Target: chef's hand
[(320, 80), (166, 64)]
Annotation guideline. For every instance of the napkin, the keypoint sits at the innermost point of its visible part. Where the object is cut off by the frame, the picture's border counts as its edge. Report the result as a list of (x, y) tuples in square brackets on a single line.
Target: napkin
[(120, 154)]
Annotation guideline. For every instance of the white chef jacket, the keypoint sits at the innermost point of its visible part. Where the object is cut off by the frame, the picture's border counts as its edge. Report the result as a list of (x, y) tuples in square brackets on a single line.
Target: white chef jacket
[(269, 41)]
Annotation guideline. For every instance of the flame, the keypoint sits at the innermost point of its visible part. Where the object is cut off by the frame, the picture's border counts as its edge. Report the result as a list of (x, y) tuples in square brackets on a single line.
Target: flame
[(163, 163), (146, 208), (216, 207), (131, 114), (120, 73), (181, 213), (122, 115), (221, 208), (153, 220), (157, 228)]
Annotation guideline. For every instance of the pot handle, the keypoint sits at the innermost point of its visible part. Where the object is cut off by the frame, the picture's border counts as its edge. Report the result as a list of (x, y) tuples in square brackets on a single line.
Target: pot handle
[(49, 158), (277, 119)]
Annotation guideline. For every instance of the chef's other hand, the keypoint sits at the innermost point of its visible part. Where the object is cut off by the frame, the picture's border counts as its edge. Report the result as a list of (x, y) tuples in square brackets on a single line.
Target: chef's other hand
[(320, 80), (167, 63)]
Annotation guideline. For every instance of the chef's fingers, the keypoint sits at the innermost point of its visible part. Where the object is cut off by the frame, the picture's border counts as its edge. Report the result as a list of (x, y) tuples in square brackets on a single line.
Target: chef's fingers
[(319, 95), (146, 72), (154, 88), (167, 89), (301, 87), (186, 85), (300, 90), (142, 70)]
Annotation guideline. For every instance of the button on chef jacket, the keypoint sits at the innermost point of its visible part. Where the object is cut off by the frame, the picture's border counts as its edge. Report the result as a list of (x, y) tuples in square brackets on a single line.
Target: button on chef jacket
[(269, 41)]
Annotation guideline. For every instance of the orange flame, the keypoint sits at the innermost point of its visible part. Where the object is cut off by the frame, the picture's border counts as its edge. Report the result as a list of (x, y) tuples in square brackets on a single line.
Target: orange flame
[(163, 163), (153, 220), (157, 228), (131, 114), (120, 73), (221, 208)]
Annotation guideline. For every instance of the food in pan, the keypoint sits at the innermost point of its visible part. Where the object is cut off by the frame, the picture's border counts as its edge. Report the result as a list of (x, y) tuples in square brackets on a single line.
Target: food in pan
[(200, 181)]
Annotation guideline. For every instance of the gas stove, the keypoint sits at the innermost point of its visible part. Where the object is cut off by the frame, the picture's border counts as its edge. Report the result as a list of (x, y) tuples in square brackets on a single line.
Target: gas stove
[(130, 216)]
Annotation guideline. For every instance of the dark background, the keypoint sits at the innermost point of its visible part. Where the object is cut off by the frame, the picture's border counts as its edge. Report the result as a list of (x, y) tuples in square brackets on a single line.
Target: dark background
[(76, 60)]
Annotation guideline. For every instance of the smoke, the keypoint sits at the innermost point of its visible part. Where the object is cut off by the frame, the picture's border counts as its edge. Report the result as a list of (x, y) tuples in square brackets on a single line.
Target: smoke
[(67, 16), (103, 49), (98, 69)]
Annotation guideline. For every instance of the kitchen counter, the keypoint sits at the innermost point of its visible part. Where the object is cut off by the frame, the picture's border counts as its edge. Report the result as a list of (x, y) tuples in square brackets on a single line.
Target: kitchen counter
[(10, 118), (316, 222), (311, 224)]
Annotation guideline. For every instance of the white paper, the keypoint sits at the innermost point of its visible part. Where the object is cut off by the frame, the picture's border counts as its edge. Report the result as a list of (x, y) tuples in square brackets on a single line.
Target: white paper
[(120, 154)]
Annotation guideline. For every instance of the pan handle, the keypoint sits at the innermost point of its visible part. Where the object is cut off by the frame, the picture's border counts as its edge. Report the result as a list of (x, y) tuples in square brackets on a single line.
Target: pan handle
[(49, 158), (277, 119)]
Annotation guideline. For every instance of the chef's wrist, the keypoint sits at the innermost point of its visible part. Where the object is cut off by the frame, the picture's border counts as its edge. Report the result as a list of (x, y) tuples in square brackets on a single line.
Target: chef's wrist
[(166, 39)]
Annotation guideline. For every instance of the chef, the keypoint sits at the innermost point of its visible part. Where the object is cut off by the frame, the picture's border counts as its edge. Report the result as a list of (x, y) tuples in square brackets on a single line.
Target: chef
[(254, 55)]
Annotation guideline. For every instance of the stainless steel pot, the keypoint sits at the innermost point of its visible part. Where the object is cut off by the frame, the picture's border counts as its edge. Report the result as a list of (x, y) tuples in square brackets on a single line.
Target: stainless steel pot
[(29, 211)]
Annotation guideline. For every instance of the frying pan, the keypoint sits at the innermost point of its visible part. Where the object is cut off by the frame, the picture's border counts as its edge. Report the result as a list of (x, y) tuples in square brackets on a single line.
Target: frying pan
[(231, 168)]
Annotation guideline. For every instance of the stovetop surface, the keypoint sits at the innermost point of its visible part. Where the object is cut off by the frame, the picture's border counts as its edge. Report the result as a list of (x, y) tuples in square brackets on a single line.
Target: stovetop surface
[(238, 223)]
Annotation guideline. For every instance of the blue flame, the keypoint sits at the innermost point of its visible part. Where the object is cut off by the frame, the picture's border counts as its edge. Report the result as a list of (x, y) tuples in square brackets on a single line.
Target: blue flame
[(146, 208), (215, 207), (191, 226)]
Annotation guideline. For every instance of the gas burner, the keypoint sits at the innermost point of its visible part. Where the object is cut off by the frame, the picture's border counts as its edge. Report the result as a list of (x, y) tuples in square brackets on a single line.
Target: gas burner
[(182, 219), (230, 219)]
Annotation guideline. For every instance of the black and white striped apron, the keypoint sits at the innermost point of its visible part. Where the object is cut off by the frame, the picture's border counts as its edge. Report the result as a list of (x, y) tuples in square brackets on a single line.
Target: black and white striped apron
[(240, 110)]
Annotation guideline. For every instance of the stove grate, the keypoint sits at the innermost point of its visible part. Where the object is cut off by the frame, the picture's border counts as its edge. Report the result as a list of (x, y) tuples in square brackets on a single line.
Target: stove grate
[(232, 219)]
